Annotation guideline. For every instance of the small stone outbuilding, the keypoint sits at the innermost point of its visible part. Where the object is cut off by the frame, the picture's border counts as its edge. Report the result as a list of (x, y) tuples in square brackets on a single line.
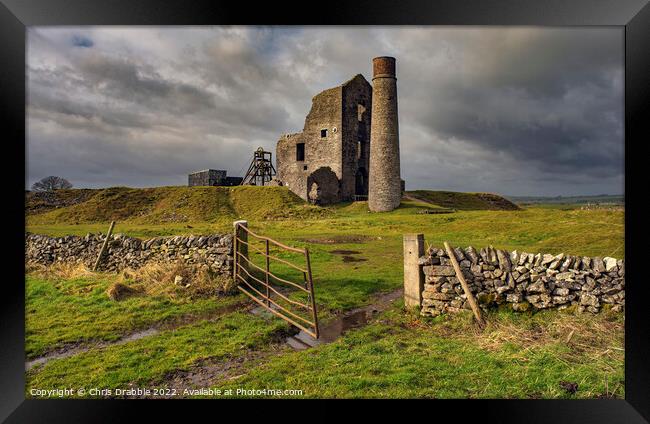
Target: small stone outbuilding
[(212, 177)]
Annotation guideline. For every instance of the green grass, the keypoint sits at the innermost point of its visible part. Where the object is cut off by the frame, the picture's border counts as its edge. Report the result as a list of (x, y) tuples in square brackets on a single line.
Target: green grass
[(279, 213), (605, 199), (535, 229), (398, 355), (401, 356), (577, 232), (151, 359), (64, 311)]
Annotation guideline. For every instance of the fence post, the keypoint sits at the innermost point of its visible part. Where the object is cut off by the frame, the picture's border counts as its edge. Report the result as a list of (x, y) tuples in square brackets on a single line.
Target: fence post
[(312, 296), (240, 246), (413, 275), (266, 275), (463, 283), (103, 248)]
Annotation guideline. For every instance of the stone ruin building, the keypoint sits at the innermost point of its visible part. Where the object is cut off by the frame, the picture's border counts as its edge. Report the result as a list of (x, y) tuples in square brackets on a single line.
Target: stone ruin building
[(349, 146)]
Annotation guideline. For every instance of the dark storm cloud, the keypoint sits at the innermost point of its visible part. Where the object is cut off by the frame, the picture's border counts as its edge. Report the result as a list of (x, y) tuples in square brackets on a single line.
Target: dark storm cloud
[(511, 110), (127, 81), (81, 41), (552, 102)]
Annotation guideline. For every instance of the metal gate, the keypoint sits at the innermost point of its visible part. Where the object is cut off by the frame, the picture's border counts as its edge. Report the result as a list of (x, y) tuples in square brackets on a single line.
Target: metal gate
[(292, 301)]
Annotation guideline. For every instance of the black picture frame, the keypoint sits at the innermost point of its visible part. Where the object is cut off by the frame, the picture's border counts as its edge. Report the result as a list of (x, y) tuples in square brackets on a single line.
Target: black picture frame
[(634, 15)]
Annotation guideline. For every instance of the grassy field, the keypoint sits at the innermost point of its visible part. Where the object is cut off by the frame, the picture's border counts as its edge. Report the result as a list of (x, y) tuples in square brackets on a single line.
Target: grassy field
[(145, 361), (285, 216), (60, 312), (403, 356), (571, 200), (396, 355)]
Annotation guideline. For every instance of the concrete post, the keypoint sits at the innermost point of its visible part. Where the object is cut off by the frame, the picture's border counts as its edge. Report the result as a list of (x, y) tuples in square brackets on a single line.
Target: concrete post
[(242, 248), (413, 275)]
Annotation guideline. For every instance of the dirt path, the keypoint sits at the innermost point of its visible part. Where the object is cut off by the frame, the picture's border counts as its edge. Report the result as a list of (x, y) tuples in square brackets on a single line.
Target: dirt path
[(211, 372), (414, 199), (76, 348)]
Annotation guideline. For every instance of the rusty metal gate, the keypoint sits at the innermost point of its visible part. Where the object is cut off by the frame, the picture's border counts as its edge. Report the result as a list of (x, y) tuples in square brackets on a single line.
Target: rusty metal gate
[(292, 301)]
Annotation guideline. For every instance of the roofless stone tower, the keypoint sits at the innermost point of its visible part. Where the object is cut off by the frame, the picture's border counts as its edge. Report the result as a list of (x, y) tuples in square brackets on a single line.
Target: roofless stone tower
[(384, 183)]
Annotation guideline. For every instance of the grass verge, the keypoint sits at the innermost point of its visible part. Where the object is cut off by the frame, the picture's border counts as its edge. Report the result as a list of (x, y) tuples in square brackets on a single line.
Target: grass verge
[(60, 311), (403, 356), (152, 358)]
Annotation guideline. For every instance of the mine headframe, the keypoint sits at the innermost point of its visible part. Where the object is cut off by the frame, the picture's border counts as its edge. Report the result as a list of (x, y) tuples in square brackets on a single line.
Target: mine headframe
[(261, 169)]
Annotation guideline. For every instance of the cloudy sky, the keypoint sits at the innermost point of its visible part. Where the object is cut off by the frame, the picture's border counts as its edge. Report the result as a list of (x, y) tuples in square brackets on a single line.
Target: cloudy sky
[(517, 111)]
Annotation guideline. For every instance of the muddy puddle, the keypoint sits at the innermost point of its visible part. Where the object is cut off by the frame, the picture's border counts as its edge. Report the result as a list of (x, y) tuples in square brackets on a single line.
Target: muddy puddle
[(347, 255), (356, 318), (336, 327), (345, 252), (353, 259), (341, 239), (213, 371)]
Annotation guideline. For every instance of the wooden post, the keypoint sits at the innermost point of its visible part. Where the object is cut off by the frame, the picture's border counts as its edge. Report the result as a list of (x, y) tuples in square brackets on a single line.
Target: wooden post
[(240, 246), (312, 295), (463, 283), (266, 274), (101, 252), (234, 254), (413, 275)]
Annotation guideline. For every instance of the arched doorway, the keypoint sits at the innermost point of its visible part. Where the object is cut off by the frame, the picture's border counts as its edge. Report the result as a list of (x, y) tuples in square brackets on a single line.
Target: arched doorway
[(323, 187)]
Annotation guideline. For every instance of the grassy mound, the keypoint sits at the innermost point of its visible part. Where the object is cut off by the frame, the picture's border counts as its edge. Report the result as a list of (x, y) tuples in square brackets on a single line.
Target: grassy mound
[(272, 203), (464, 201), (37, 202), (167, 205)]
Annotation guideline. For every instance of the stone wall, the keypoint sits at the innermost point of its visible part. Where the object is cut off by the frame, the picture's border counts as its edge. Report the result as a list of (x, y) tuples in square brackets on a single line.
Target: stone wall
[(214, 250), (521, 281)]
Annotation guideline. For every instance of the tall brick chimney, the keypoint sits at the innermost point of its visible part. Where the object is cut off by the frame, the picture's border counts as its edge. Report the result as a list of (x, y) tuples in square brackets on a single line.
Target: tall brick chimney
[(384, 182)]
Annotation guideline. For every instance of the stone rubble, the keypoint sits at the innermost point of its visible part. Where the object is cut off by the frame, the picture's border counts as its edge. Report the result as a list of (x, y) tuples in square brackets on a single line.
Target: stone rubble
[(523, 281)]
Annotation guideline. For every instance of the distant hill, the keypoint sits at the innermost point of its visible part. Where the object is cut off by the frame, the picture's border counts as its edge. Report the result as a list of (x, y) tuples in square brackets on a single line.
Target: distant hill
[(166, 204), (162, 205), (618, 199), (464, 201)]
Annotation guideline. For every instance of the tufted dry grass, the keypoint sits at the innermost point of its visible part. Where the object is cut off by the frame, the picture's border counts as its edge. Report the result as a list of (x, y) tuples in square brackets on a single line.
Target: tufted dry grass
[(160, 279), (581, 337), (60, 270), (155, 279)]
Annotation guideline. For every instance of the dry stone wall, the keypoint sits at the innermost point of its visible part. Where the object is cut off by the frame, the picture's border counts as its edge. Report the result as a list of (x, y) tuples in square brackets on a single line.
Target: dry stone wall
[(521, 281), (214, 250)]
